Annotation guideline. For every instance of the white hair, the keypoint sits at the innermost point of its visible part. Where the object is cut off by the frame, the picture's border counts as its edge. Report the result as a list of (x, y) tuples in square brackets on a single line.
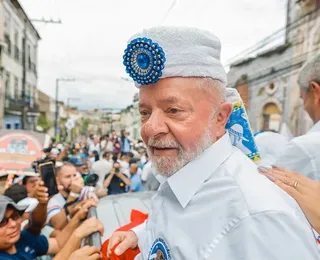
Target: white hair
[(213, 87), (309, 72)]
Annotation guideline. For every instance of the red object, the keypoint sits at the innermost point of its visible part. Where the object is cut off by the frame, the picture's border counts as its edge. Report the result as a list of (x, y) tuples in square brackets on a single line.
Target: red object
[(136, 219)]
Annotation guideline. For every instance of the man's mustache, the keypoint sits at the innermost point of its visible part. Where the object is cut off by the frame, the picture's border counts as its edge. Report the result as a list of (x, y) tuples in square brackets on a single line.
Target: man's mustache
[(157, 143)]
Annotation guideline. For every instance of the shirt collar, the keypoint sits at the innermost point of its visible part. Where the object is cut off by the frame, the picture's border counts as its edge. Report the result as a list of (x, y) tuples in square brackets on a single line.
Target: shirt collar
[(188, 180), (315, 128)]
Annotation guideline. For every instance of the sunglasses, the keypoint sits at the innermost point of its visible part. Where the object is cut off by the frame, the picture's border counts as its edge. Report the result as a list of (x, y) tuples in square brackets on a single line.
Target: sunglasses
[(15, 216)]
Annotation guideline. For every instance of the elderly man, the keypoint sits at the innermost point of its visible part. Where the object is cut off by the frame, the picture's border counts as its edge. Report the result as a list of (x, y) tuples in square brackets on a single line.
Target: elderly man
[(302, 153), (212, 203)]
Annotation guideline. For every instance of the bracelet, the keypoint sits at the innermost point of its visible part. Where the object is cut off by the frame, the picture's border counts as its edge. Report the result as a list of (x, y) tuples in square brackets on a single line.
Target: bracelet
[(75, 195)]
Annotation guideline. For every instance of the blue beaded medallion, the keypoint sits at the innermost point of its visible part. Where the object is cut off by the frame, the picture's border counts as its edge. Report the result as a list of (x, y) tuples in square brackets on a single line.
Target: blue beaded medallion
[(144, 61)]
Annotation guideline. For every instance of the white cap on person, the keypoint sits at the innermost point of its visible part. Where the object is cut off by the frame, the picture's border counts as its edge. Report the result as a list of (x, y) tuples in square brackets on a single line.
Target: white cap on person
[(163, 52)]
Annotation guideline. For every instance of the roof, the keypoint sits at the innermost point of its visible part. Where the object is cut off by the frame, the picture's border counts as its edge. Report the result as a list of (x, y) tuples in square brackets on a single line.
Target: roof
[(19, 7), (276, 50)]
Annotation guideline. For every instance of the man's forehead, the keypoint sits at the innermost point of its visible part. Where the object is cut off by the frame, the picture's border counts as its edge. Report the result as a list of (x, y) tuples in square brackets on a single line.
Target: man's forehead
[(161, 100)]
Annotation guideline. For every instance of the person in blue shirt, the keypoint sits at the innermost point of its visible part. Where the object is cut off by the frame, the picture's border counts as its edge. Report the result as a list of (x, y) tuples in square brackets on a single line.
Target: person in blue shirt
[(136, 184), (23, 245)]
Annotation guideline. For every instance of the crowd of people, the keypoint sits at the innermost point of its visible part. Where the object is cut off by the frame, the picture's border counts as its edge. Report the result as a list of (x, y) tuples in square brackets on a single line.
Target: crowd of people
[(35, 225)]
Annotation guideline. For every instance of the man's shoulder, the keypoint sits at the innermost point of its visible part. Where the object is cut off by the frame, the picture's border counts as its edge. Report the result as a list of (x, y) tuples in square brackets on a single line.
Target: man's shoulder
[(56, 199), (255, 192), (308, 138)]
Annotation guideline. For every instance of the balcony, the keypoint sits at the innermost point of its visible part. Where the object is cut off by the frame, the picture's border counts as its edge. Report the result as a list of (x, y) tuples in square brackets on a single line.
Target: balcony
[(14, 106)]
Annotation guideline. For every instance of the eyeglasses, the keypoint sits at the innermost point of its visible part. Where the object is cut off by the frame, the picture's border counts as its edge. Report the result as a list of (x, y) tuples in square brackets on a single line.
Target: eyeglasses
[(15, 216)]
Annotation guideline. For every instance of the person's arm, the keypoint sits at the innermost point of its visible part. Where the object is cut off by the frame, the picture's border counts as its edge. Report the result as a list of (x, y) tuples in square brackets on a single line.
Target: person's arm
[(39, 215), (124, 178), (88, 227), (107, 182), (55, 244), (133, 186), (60, 220)]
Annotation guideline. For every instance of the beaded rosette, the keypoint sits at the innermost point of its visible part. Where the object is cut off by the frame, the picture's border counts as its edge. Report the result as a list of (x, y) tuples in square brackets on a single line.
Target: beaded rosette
[(144, 61)]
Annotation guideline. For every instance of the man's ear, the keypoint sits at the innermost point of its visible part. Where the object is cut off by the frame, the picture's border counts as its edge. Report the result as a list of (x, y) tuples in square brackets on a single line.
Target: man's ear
[(223, 117), (315, 91)]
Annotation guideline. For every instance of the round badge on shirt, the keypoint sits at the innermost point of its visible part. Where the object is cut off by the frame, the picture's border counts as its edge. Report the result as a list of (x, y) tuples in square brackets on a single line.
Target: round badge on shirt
[(159, 250)]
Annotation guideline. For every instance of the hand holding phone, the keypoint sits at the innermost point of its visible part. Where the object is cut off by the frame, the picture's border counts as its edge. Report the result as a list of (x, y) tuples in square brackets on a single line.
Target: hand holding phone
[(48, 176)]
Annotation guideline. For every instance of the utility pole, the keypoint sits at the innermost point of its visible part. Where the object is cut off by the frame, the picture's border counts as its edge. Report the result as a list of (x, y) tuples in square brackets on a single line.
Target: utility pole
[(57, 128), (24, 77), (24, 65)]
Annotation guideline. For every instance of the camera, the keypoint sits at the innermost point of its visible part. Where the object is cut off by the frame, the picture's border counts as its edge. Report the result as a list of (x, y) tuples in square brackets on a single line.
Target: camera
[(35, 164)]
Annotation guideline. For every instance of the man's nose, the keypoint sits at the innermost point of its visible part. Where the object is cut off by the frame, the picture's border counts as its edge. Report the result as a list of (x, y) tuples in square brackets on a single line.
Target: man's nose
[(156, 125)]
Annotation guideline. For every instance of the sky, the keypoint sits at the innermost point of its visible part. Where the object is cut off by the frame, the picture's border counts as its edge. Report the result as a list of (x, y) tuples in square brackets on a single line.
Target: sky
[(88, 46)]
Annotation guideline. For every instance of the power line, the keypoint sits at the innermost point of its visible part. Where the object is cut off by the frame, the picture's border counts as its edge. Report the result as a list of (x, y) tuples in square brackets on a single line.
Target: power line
[(46, 21), (173, 4), (271, 70), (282, 32)]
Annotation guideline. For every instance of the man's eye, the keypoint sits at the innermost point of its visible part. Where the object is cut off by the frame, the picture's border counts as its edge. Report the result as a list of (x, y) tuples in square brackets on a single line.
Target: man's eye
[(174, 110), (143, 113)]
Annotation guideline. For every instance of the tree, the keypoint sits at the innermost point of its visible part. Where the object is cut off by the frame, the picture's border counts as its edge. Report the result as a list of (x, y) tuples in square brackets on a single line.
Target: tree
[(84, 126), (44, 122)]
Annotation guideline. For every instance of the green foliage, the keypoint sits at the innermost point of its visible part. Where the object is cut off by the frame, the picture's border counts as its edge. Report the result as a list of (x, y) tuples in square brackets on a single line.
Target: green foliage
[(84, 126), (44, 122)]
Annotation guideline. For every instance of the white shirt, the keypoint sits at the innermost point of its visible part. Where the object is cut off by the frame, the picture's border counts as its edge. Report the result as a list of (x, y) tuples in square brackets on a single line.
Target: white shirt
[(94, 147), (55, 205), (302, 154), (219, 207), (147, 169), (102, 168), (57, 202), (270, 146)]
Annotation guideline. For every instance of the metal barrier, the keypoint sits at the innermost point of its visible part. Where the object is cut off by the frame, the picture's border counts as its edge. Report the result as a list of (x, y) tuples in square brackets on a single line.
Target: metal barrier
[(95, 238)]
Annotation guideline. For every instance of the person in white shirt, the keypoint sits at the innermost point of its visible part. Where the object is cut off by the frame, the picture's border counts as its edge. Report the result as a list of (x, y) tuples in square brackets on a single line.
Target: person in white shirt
[(102, 168), (270, 146), (302, 153), (57, 211), (212, 202)]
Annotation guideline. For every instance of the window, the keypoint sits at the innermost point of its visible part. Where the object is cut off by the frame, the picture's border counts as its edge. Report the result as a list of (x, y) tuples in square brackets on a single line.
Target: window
[(7, 85), (7, 20), (16, 126), (16, 88), (29, 57), (16, 46), (8, 43), (31, 95), (8, 126)]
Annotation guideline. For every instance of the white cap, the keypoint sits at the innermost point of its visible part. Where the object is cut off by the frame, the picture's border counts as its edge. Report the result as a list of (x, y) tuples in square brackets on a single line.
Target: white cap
[(163, 52)]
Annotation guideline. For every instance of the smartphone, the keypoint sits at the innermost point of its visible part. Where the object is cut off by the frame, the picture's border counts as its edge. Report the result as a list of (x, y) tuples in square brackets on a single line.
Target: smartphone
[(47, 173)]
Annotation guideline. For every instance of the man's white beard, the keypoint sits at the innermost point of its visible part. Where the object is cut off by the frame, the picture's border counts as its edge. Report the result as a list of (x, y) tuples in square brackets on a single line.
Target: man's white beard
[(169, 165)]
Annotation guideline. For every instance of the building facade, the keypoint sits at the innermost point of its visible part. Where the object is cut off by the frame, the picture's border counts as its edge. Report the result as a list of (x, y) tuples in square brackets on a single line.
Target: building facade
[(47, 113), (267, 82), (130, 119), (19, 67)]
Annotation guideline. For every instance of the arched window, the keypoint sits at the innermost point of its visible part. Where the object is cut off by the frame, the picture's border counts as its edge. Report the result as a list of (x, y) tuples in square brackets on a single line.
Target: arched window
[(271, 117)]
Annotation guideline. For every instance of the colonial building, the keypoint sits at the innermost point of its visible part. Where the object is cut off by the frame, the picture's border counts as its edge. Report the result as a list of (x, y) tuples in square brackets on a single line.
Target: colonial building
[(19, 67), (47, 113), (267, 78)]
